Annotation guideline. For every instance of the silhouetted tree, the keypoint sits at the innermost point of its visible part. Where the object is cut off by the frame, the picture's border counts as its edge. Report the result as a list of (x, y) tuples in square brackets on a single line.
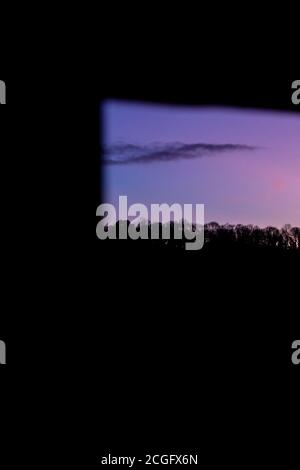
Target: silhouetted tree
[(218, 237)]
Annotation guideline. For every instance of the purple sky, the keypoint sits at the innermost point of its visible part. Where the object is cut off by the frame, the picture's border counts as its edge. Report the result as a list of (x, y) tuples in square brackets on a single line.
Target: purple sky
[(260, 186)]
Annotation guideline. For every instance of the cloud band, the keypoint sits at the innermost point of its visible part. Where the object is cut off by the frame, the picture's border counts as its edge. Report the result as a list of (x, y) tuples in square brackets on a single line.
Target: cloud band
[(125, 154)]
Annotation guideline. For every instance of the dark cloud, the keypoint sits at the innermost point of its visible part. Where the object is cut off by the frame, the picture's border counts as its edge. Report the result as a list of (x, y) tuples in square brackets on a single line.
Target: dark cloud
[(125, 154)]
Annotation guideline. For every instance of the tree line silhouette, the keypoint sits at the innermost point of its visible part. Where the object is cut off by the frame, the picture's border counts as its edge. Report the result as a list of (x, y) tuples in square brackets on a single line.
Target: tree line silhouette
[(286, 238), (218, 237)]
